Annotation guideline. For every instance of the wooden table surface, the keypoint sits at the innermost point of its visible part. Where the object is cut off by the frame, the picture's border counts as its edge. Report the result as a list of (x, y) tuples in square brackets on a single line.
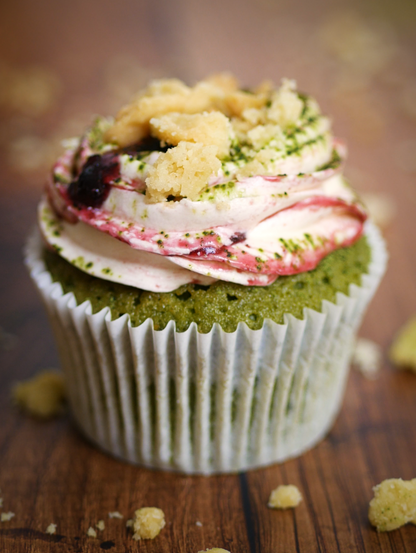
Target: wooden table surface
[(60, 62)]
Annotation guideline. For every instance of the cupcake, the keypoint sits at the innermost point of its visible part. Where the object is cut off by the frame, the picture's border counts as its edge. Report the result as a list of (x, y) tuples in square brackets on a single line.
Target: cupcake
[(205, 267)]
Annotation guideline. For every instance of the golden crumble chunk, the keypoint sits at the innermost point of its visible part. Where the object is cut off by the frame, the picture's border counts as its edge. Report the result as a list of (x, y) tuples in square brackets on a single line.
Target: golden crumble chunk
[(237, 102), (286, 106), (393, 505), (206, 128), (182, 171), (42, 396), (261, 135), (403, 350), (51, 529), (285, 497), (148, 522)]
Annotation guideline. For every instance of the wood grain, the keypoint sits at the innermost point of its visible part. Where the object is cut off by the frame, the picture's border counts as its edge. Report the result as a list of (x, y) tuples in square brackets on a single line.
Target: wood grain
[(48, 471)]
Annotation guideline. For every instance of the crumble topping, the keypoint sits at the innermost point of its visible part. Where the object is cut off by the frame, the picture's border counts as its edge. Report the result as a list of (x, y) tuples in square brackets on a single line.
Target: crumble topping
[(285, 497), (393, 505), (42, 396), (147, 523), (252, 130)]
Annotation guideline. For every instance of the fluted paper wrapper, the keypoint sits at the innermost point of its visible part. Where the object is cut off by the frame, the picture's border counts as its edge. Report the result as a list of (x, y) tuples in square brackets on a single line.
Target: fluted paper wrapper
[(206, 403)]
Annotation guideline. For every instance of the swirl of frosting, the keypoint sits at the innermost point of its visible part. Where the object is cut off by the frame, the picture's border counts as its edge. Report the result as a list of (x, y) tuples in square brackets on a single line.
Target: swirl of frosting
[(203, 183)]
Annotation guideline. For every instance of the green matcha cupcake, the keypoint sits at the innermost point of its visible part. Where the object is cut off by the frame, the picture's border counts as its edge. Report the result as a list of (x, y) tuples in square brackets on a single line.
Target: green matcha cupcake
[(205, 267)]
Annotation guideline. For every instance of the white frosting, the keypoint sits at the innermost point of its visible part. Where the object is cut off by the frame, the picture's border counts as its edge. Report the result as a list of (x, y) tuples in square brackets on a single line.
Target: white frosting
[(101, 255), (247, 230)]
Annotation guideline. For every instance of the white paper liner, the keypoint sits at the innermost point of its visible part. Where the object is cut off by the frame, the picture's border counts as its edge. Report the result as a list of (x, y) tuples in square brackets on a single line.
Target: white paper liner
[(206, 403)]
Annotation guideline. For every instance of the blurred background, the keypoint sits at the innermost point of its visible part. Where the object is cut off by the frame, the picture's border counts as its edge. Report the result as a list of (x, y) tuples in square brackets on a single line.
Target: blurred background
[(62, 62)]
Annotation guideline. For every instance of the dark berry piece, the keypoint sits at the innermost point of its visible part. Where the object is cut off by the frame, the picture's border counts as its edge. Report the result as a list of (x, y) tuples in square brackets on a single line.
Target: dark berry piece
[(93, 184)]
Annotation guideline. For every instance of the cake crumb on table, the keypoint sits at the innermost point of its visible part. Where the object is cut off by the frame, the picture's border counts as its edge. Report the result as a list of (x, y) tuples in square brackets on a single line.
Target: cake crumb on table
[(403, 350), (51, 529), (393, 505), (100, 525), (215, 550), (148, 522), (284, 497), (42, 396), (367, 358), (115, 514), (91, 532), (129, 523), (5, 517), (1, 502), (198, 523)]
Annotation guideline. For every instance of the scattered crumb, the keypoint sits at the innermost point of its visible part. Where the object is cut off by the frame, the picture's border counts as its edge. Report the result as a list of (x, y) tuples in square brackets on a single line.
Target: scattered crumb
[(198, 523), (148, 522), (51, 529), (403, 350), (284, 497), (42, 396), (129, 523), (5, 517), (367, 358), (1, 502), (100, 525), (381, 207), (215, 550), (393, 505), (115, 514), (91, 532)]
